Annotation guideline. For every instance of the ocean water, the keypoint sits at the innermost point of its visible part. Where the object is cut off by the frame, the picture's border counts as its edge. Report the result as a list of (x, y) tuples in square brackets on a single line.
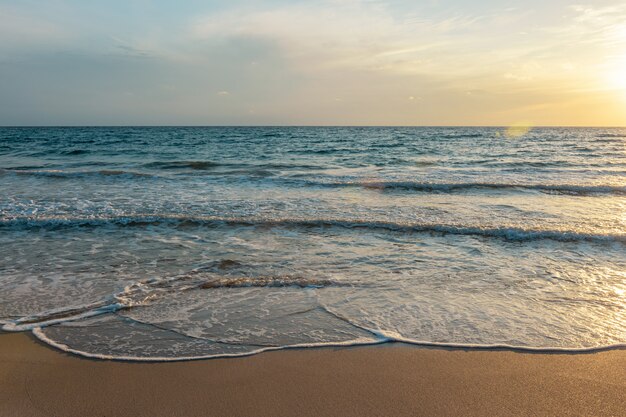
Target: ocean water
[(176, 243)]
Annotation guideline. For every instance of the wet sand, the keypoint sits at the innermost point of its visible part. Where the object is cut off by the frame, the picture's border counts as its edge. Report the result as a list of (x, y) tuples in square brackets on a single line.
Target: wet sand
[(387, 380)]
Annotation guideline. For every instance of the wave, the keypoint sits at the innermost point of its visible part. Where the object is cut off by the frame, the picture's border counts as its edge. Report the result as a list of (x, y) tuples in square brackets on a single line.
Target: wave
[(197, 167), (465, 135), (534, 164), (60, 174), (145, 292), (76, 152), (506, 233), (270, 282), (194, 165), (299, 179), (212, 165), (569, 189), (611, 135), (39, 334), (378, 336), (59, 316)]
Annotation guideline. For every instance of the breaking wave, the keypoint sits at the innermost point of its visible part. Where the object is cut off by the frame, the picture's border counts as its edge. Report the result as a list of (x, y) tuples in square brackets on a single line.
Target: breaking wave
[(568, 189), (211, 165), (507, 233), (611, 135), (196, 165), (60, 174)]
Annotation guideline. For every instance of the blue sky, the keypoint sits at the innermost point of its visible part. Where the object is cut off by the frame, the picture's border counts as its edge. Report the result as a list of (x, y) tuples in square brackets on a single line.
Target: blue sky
[(335, 62)]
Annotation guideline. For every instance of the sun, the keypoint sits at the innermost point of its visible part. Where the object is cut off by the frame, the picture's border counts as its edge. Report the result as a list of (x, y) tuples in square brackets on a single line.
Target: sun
[(616, 60), (617, 73)]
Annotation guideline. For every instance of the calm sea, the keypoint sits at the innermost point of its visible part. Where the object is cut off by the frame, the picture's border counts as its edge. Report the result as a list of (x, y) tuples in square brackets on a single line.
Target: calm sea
[(170, 243)]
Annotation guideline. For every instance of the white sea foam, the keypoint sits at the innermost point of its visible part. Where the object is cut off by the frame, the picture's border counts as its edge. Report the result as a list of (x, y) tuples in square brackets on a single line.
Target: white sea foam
[(51, 318), (386, 337), (143, 293), (37, 325), (357, 342)]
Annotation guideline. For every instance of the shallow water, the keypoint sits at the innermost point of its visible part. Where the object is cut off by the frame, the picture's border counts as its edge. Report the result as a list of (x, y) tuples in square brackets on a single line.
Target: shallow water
[(169, 243)]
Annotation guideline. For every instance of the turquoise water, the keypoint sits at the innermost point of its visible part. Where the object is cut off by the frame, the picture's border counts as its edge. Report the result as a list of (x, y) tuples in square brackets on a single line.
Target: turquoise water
[(172, 243)]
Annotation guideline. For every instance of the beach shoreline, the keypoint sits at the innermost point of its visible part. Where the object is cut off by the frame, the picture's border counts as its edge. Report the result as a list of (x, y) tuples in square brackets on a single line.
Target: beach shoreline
[(389, 379)]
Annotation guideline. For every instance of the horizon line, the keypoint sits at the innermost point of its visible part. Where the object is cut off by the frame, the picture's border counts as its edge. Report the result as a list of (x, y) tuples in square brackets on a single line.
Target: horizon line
[(308, 126)]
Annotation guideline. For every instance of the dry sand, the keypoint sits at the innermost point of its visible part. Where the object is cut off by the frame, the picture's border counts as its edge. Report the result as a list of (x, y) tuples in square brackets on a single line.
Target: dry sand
[(389, 380)]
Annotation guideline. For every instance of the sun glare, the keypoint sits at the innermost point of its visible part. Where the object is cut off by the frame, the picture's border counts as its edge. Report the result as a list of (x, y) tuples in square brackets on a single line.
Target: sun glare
[(617, 73)]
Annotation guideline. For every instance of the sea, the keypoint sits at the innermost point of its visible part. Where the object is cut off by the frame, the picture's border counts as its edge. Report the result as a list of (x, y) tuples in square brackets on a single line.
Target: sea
[(174, 243)]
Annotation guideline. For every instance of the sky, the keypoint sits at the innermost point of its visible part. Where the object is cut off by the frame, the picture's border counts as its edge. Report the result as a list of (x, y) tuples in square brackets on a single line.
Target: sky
[(327, 62)]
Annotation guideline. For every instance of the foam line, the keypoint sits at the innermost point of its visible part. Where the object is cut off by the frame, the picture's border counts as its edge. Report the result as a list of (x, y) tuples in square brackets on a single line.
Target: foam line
[(378, 337), (350, 343), (30, 323), (355, 342)]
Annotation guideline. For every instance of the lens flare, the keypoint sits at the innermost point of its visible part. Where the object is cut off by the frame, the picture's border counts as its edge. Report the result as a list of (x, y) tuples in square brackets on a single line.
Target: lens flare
[(517, 130)]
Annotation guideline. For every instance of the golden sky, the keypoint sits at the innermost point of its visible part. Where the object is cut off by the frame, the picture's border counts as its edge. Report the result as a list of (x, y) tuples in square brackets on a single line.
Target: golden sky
[(335, 62)]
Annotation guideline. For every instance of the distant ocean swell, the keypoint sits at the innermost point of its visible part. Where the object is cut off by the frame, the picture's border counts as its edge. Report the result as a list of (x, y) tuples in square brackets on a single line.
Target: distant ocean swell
[(507, 233), (60, 174), (569, 189), (380, 185), (205, 165)]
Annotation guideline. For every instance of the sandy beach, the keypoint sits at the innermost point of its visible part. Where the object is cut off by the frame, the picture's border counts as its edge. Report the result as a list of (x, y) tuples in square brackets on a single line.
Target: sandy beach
[(387, 380)]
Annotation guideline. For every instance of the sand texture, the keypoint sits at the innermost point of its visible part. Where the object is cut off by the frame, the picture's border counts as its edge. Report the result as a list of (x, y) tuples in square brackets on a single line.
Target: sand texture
[(389, 380)]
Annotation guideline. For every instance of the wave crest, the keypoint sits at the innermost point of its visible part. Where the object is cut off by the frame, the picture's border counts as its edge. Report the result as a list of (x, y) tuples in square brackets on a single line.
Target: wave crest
[(194, 165), (60, 174), (504, 232), (568, 189)]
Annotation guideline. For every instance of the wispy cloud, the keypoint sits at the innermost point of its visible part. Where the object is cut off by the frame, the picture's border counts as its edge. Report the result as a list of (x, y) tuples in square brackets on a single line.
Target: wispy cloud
[(128, 49), (335, 34), (368, 36)]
